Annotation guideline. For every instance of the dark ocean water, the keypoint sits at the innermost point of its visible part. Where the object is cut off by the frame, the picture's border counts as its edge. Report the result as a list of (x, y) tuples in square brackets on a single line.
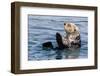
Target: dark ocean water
[(43, 28)]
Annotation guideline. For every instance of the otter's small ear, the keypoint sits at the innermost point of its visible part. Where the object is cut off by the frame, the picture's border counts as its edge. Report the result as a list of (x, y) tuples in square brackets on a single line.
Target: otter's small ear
[(74, 29)]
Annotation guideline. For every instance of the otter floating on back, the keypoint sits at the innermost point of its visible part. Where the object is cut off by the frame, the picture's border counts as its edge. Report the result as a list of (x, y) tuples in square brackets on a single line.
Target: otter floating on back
[(71, 40)]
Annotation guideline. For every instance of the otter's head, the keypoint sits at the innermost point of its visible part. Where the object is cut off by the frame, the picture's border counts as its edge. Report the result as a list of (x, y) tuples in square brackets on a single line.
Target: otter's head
[(70, 27)]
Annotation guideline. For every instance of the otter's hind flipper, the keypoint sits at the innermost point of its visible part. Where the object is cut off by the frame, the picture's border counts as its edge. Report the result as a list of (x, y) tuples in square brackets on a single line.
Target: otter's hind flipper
[(59, 41)]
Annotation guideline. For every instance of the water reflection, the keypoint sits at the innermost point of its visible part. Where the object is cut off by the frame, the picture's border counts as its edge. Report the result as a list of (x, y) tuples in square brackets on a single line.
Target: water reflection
[(67, 54)]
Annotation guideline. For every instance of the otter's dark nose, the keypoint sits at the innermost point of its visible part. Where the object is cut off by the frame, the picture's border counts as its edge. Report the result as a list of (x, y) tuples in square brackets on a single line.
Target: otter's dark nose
[(64, 24)]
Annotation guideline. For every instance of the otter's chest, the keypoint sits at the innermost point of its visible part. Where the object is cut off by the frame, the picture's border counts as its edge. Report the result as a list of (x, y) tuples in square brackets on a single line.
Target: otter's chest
[(72, 40)]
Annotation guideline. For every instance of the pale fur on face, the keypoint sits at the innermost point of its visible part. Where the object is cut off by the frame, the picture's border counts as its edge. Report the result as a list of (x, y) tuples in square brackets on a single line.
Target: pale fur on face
[(70, 27)]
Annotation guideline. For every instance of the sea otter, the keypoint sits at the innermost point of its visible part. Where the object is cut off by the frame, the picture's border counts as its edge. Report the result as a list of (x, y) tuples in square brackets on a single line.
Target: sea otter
[(71, 39)]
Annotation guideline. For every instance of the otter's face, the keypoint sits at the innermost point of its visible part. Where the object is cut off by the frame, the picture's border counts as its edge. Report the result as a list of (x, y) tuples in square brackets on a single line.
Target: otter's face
[(69, 27)]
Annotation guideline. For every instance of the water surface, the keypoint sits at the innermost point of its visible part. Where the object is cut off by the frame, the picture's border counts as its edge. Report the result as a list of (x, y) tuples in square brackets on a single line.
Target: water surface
[(43, 28)]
